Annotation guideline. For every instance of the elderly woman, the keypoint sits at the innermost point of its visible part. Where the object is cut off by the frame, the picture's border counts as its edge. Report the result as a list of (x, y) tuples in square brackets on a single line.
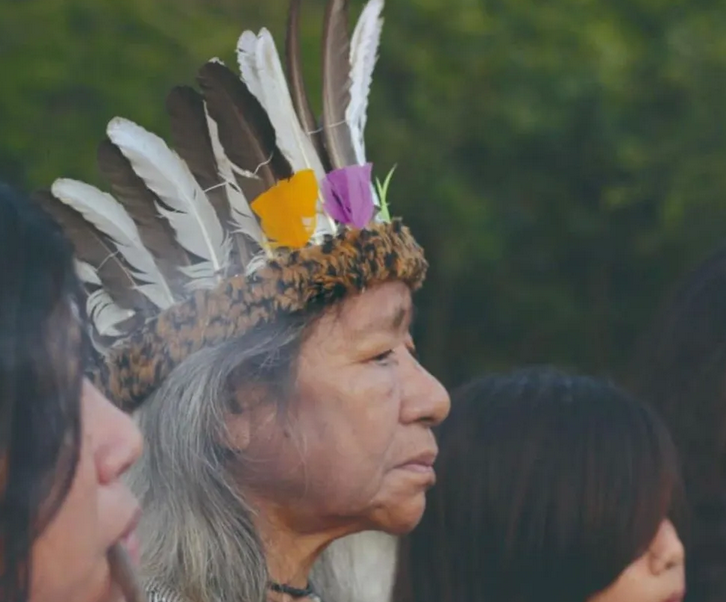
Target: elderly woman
[(257, 305), (63, 446)]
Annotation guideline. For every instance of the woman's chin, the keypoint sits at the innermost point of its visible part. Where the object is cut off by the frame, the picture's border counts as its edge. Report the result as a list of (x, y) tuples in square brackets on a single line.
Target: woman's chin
[(402, 517)]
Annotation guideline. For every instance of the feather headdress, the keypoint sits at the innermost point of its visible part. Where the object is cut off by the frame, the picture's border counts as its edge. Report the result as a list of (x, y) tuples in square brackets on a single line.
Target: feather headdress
[(259, 209)]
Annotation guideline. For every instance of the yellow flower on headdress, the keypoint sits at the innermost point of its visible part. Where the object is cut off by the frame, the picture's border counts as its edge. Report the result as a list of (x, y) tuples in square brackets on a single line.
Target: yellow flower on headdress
[(288, 210)]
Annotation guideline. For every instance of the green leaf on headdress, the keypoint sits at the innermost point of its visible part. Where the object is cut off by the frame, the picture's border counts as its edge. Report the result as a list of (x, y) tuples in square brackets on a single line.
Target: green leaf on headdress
[(382, 190)]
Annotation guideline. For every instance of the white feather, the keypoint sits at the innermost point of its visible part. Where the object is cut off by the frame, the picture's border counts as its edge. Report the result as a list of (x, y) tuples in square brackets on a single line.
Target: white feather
[(275, 97), (87, 273), (256, 263), (192, 216), (247, 59), (363, 56), (243, 219), (290, 137), (261, 70), (105, 314), (199, 277), (110, 217)]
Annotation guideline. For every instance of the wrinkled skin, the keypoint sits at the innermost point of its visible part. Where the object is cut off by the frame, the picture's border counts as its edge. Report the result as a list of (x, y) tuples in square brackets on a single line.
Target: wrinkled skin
[(355, 447)]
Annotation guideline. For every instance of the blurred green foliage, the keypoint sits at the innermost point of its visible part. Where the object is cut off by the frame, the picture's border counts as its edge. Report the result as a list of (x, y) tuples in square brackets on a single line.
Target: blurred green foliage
[(562, 162)]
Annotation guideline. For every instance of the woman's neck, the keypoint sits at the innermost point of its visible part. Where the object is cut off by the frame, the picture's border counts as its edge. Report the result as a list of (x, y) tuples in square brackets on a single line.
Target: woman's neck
[(290, 557), (290, 552)]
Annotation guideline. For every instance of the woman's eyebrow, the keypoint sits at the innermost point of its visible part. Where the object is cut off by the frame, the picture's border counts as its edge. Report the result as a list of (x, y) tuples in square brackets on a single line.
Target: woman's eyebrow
[(387, 321)]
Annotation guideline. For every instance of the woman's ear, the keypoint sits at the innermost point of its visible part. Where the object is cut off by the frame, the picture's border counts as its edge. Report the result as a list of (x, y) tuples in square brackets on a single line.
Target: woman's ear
[(239, 416), (237, 435), (244, 414)]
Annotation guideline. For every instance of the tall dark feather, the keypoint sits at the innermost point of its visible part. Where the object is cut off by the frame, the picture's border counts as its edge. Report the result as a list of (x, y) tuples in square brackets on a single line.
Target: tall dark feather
[(96, 249), (296, 83), (245, 131), (190, 133), (336, 85), (140, 202)]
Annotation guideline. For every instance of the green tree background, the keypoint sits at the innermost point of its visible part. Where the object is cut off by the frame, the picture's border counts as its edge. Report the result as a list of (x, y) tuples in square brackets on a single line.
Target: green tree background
[(562, 162)]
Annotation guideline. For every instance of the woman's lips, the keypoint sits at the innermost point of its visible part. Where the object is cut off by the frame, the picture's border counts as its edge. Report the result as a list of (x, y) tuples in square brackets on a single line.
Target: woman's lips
[(423, 463), (417, 467)]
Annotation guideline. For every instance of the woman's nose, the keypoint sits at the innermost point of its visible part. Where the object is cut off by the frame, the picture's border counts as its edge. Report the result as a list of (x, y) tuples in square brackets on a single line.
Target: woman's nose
[(426, 399), (667, 549), (123, 448), (116, 439)]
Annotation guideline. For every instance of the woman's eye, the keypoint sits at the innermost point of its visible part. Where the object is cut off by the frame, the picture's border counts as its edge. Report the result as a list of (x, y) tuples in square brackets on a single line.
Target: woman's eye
[(383, 357)]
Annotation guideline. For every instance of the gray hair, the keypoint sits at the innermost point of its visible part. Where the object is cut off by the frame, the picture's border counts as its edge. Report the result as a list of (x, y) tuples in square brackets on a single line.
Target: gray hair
[(197, 533)]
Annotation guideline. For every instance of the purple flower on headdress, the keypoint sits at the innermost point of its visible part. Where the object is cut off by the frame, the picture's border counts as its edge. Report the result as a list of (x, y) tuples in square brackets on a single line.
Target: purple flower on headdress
[(348, 195)]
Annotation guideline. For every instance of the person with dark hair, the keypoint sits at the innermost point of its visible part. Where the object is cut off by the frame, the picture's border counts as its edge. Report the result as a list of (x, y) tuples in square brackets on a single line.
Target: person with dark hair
[(551, 488), (680, 368), (63, 446)]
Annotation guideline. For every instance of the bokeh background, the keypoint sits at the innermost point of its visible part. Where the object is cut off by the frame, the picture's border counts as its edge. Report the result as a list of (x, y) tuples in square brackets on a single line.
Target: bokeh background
[(563, 161)]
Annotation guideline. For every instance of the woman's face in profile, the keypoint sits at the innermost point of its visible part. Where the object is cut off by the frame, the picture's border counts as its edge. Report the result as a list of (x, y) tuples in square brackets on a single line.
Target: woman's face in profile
[(657, 576), (363, 411), (69, 557)]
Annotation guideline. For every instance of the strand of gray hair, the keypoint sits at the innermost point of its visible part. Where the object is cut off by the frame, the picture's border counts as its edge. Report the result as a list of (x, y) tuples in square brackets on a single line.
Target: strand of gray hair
[(197, 533)]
